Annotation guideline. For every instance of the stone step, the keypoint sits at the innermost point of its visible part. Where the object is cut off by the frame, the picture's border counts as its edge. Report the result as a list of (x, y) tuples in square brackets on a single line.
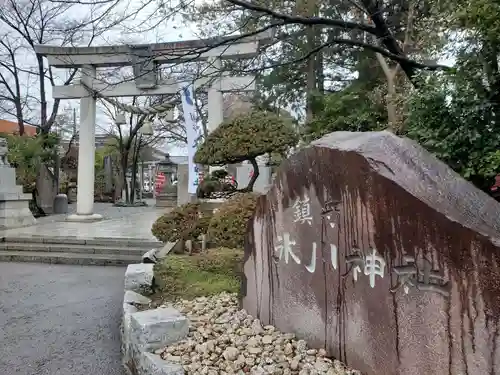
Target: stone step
[(95, 241), (68, 258), (72, 248)]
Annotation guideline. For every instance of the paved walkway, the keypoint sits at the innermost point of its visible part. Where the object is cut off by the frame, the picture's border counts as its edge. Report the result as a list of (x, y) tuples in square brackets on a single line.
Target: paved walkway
[(64, 320), (60, 320), (124, 222), (107, 210)]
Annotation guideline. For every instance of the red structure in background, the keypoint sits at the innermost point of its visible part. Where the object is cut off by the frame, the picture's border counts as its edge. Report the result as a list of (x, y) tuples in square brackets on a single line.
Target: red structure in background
[(232, 180), (11, 127), (495, 189), (160, 182), (496, 186)]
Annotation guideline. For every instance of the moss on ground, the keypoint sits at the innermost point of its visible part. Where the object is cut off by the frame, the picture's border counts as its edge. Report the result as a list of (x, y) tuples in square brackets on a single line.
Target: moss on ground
[(190, 276)]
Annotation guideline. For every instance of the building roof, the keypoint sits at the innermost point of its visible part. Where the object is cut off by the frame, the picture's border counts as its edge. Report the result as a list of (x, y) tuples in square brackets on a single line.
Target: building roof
[(11, 127), (179, 159)]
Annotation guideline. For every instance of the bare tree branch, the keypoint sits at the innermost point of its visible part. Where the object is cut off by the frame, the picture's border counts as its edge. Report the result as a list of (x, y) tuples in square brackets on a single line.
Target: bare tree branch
[(34, 22), (380, 29), (303, 20)]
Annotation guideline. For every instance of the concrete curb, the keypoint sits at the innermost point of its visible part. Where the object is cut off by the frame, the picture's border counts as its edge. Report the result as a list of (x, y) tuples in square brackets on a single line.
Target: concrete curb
[(143, 332), (156, 254), (74, 240)]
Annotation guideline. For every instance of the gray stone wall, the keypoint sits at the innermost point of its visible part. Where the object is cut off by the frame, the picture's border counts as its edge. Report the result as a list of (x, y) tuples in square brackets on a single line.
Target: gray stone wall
[(182, 184), (263, 181)]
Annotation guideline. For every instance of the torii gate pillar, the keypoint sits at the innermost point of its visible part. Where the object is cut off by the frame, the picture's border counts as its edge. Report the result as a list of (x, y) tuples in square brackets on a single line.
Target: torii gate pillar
[(215, 99), (86, 153)]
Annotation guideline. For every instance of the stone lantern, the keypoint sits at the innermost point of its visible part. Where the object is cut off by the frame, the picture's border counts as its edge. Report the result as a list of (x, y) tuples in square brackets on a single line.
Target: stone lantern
[(166, 183)]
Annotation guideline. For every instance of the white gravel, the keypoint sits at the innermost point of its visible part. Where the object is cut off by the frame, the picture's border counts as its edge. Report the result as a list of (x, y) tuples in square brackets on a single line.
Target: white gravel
[(225, 340)]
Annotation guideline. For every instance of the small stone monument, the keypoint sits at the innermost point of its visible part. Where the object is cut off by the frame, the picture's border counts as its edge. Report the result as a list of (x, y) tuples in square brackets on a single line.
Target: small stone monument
[(14, 204)]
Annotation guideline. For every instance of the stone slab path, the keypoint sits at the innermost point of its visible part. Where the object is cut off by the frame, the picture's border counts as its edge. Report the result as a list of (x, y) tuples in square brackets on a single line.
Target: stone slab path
[(60, 320), (120, 222)]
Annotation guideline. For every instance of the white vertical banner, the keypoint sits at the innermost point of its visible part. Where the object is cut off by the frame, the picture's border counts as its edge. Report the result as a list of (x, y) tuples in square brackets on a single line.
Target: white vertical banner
[(192, 135)]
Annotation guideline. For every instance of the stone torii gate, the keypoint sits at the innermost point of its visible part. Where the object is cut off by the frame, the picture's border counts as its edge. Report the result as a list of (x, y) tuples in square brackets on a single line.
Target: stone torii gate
[(145, 60)]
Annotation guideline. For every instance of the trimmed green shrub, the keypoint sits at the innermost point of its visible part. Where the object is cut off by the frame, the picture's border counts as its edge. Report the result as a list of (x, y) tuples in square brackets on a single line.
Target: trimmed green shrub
[(207, 187), (214, 185), (228, 225), (202, 224), (185, 222), (219, 174), (245, 137)]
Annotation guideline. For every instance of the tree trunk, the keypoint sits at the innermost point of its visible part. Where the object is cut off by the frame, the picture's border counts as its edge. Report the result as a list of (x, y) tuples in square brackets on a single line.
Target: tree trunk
[(135, 165), (309, 8), (19, 107), (133, 183), (36, 210), (310, 76), (395, 122), (57, 169), (124, 165), (255, 175), (134, 178), (320, 71), (20, 121), (43, 96), (489, 56)]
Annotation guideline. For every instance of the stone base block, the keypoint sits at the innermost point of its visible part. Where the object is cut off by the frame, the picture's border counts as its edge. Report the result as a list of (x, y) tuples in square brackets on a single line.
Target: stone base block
[(143, 332), (152, 364), (165, 250), (150, 256), (166, 200), (131, 297), (15, 211), (61, 204), (128, 310), (9, 193), (210, 206), (84, 218), (155, 329), (139, 277)]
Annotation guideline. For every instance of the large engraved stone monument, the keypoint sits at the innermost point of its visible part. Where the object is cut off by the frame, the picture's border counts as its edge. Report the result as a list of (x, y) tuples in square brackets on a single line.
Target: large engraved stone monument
[(14, 205), (369, 246)]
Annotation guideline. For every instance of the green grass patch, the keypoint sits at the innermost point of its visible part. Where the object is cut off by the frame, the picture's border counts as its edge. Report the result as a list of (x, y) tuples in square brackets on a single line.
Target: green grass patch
[(190, 276)]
